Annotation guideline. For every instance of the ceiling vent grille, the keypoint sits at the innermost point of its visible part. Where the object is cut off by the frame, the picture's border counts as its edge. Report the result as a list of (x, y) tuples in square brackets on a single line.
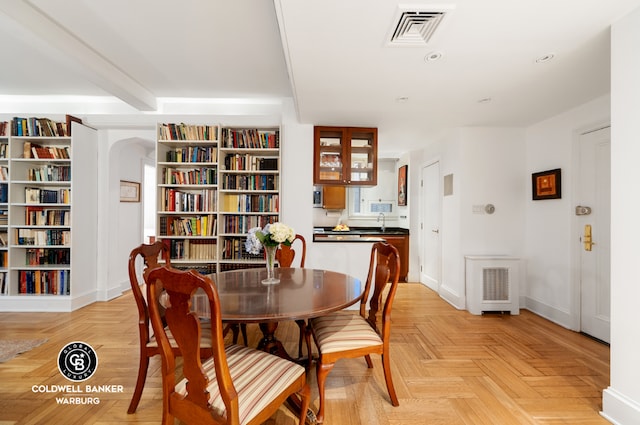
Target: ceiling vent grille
[(415, 28)]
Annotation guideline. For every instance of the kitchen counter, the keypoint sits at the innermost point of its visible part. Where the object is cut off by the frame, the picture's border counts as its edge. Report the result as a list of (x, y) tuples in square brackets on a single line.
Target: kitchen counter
[(356, 234), (396, 236)]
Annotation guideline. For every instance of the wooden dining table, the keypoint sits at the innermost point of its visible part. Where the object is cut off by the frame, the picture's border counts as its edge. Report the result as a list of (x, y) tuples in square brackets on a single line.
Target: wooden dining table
[(302, 293)]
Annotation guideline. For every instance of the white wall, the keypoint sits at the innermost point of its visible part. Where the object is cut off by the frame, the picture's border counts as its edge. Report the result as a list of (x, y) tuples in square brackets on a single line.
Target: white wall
[(487, 166), (621, 401), (548, 226)]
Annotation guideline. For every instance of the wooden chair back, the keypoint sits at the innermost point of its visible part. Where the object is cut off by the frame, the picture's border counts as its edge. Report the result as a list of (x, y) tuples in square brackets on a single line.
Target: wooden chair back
[(384, 260), (286, 254), (151, 254)]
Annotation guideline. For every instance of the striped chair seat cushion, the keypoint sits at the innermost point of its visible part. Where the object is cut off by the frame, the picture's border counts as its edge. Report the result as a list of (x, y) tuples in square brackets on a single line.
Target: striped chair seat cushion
[(343, 331), (258, 378), (205, 332)]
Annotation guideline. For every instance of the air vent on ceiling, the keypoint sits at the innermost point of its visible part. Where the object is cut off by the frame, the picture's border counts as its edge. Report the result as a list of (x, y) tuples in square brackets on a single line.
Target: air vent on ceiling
[(415, 27)]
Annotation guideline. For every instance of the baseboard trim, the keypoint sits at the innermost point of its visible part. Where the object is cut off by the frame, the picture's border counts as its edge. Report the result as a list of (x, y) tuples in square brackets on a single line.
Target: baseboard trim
[(619, 409), (562, 318)]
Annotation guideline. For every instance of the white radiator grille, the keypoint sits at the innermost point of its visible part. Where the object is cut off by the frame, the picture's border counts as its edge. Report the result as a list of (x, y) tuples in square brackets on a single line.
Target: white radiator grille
[(495, 284), (492, 284)]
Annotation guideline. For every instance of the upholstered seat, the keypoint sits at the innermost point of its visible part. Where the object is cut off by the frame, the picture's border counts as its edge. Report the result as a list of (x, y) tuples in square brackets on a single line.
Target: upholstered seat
[(347, 335), (238, 385)]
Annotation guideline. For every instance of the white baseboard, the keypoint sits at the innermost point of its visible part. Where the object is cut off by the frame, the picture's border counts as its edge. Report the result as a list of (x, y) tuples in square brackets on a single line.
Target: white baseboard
[(560, 317), (619, 409)]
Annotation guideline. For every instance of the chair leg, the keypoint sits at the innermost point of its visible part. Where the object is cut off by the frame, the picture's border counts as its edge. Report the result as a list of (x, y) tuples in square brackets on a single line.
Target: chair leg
[(322, 370), (367, 357), (305, 400), (142, 378), (386, 366)]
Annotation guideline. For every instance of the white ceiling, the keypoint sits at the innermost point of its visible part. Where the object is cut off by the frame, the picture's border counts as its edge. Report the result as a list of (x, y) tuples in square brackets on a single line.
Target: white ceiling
[(332, 56)]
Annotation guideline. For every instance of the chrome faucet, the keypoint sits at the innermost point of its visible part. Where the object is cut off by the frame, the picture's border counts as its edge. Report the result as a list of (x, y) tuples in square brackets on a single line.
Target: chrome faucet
[(383, 225)]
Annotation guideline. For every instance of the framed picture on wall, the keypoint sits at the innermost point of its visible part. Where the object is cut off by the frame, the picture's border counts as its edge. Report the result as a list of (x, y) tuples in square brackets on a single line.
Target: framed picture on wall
[(546, 185), (402, 185), (129, 191)]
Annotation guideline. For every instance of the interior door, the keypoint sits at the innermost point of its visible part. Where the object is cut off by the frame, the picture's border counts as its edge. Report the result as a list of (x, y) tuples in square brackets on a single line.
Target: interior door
[(430, 258), (594, 221)]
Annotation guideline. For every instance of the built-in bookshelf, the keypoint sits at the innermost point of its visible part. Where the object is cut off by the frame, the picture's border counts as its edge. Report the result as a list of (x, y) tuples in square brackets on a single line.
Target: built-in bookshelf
[(5, 130), (48, 219), (250, 190), (187, 198)]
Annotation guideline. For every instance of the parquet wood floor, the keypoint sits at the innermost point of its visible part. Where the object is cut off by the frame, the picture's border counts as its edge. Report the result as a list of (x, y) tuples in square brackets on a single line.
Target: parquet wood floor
[(450, 368)]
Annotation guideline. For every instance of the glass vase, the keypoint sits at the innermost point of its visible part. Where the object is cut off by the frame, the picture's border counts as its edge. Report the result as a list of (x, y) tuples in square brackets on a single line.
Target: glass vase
[(270, 252)]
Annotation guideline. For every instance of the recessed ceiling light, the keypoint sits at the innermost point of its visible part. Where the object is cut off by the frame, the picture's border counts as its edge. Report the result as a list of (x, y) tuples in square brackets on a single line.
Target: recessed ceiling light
[(432, 56), (545, 58)]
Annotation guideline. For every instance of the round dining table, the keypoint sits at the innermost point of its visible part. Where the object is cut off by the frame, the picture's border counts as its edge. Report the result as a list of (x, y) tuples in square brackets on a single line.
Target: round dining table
[(302, 293)]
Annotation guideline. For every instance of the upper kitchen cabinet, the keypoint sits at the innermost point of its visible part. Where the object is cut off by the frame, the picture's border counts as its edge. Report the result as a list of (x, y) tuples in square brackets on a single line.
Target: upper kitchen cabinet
[(345, 156)]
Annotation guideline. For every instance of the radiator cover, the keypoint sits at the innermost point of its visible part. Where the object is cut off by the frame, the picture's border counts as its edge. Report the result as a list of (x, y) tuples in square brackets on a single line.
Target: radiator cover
[(492, 284)]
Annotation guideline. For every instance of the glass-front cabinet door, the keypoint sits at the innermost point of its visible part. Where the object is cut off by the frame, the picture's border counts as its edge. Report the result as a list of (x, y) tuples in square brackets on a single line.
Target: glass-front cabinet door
[(345, 156)]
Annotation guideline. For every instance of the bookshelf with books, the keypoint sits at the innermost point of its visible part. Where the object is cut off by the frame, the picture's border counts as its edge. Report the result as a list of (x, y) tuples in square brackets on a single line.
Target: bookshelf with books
[(5, 127), (187, 195), (52, 208), (250, 190)]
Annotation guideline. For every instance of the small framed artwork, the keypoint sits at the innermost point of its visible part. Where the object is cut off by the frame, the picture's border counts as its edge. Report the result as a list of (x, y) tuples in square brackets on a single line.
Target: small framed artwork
[(546, 185), (129, 191), (402, 185)]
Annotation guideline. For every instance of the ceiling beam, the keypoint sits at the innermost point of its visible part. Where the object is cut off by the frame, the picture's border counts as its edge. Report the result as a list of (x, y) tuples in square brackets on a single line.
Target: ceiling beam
[(96, 68)]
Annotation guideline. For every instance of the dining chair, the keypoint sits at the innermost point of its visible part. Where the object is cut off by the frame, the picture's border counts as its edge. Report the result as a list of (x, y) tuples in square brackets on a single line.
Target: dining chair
[(238, 384), (150, 254), (347, 335)]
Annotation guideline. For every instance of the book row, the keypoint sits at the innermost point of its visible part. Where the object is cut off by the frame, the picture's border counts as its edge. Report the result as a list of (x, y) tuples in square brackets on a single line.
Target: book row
[(4, 150), (36, 195), (39, 127), (4, 192), (53, 282), (193, 154), (250, 182), (43, 237), (251, 203), (190, 249), (4, 259), (31, 150), (204, 225), (246, 162), (4, 173), (195, 176), (188, 201), (250, 138), (4, 129), (50, 173), (234, 249), (171, 131), (47, 256), (38, 216), (242, 223)]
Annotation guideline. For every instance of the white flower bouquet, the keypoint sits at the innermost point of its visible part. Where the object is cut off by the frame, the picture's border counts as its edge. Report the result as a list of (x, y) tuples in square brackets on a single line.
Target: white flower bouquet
[(272, 234)]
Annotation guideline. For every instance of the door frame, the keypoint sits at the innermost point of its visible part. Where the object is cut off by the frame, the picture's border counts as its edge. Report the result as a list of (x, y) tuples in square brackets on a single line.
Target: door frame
[(430, 162), (576, 227)]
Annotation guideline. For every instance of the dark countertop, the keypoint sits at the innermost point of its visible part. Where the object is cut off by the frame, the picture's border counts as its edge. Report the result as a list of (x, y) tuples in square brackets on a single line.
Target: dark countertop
[(356, 234)]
